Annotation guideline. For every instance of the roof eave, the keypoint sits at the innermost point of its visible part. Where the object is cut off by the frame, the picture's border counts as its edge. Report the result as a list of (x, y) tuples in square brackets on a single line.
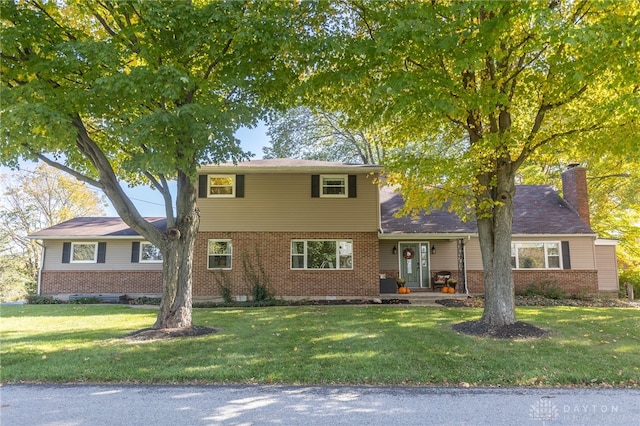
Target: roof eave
[(418, 236), (85, 237), (357, 169)]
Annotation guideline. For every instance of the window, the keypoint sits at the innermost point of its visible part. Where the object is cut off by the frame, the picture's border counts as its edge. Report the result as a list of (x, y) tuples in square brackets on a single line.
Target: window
[(532, 255), (222, 186), (333, 185), (150, 253), (322, 254), (84, 252), (219, 254)]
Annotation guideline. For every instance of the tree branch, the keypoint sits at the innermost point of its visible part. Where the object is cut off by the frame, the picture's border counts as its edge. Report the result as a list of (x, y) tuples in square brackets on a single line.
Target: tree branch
[(81, 177)]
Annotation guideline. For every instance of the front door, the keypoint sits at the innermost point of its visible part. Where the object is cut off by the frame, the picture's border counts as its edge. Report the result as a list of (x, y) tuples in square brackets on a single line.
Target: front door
[(414, 264)]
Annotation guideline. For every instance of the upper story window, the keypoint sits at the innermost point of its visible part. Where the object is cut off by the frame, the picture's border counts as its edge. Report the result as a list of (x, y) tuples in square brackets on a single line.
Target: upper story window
[(333, 185), (222, 186), (322, 254), (536, 255), (219, 254), (149, 253)]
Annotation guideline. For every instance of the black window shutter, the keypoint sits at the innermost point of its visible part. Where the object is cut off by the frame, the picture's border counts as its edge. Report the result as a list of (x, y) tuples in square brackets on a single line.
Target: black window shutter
[(566, 257), (239, 186), (102, 252), (315, 186), (66, 252), (202, 186), (135, 252), (352, 186)]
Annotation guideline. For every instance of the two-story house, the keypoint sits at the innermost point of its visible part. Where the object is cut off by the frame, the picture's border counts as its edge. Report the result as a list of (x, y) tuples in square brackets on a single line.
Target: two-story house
[(313, 229)]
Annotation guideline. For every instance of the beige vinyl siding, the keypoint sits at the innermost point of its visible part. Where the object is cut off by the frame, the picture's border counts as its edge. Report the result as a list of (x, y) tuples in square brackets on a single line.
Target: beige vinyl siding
[(118, 257), (581, 250), (283, 202), (446, 257), (388, 260), (607, 268), (473, 257)]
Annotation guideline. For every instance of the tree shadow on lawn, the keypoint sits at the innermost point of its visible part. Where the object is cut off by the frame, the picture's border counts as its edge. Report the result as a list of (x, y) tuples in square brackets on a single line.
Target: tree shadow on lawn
[(149, 334)]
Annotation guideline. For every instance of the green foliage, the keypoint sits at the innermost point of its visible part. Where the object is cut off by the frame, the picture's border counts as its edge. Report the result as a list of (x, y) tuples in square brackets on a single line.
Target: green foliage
[(256, 278), (546, 288), (85, 301), (16, 280), (630, 276), (224, 286), (144, 300), (43, 300)]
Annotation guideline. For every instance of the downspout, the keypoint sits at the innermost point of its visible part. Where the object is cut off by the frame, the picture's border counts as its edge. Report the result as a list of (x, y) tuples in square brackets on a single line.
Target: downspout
[(42, 255), (464, 254)]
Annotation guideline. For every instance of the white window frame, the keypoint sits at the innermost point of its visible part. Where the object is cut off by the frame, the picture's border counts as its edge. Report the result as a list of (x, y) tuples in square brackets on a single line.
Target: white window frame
[(323, 186), (546, 246), (141, 260), (328, 266), (233, 186), (229, 254), (95, 252)]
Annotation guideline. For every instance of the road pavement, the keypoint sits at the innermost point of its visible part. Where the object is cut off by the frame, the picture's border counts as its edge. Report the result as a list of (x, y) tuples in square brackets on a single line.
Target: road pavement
[(78, 405)]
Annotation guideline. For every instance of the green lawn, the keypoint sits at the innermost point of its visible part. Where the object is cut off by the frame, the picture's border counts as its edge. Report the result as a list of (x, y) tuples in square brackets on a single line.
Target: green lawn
[(369, 344)]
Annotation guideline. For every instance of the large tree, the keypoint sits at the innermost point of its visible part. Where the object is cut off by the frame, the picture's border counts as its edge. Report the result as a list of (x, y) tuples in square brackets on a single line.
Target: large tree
[(471, 91), (142, 92), (32, 200)]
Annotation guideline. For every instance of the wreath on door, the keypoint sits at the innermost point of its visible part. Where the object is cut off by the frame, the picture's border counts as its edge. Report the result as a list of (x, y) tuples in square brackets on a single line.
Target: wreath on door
[(408, 253)]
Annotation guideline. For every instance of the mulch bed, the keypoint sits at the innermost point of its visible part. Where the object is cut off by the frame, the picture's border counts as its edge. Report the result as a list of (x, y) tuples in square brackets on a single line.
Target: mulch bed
[(351, 302), (517, 330), (478, 302)]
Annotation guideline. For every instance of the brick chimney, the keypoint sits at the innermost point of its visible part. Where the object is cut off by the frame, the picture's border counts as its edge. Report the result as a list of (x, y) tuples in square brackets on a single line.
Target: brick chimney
[(574, 190)]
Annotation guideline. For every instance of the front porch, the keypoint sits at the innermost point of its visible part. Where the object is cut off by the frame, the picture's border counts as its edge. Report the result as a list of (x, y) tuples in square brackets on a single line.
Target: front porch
[(421, 261)]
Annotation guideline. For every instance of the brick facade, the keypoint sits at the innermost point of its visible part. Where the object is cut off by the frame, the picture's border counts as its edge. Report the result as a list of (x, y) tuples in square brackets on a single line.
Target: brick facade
[(79, 282), (574, 282), (271, 252)]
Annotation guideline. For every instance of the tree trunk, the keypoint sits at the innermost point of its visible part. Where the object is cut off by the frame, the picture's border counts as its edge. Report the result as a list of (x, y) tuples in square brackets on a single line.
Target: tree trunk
[(494, 232), (176, 305)]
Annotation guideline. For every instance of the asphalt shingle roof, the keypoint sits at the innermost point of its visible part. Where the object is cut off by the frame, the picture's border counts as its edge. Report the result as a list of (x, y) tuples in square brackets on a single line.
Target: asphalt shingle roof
[(538, 209), (87, 227)]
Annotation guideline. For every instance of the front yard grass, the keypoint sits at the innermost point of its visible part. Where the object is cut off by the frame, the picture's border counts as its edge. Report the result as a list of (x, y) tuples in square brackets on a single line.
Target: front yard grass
[(381, 345)]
